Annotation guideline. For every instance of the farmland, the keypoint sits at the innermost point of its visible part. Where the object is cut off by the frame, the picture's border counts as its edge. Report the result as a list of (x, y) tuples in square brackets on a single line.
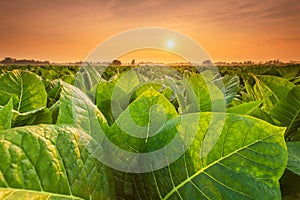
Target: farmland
[(245, 123)]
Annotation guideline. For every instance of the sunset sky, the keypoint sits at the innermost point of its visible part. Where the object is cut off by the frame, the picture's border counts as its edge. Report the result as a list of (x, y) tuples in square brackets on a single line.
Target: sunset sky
[(229, 30)]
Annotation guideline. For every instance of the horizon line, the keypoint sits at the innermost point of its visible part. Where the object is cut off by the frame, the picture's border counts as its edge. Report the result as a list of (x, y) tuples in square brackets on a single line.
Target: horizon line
[(248, 61)]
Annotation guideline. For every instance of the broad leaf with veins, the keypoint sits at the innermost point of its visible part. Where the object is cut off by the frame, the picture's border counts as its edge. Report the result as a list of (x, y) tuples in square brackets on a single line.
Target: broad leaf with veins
[(245, 162), (50, 162), (25, 88)]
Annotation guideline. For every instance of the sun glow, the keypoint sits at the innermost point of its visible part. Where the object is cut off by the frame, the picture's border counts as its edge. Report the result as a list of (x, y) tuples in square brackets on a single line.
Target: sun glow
[(170, 44), (151, 55)]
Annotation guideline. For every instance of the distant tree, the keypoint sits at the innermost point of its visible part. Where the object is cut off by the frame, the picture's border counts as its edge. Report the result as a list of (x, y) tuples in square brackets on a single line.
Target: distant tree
[(133, 62), (116, 62), (248, 62), (207, 63), (8, 60)]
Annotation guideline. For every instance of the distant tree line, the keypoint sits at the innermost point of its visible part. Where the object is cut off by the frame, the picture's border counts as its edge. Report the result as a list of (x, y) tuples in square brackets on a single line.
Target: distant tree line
[(11, 61)]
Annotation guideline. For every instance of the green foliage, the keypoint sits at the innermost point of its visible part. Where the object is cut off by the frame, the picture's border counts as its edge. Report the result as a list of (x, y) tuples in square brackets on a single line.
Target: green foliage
[(25, 88), (37, 116), (271, 90), (229, 85), (208, 96), (235, 153), (144, 117), (245, 108), (231, 170), (49, 161), (287, 112), (294, 157), (6, 116), (104, 100)]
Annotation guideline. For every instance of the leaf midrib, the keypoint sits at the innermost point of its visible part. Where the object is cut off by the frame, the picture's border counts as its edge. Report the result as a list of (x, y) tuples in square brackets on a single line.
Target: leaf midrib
[(41, 192), (190, 178), (21, 93)]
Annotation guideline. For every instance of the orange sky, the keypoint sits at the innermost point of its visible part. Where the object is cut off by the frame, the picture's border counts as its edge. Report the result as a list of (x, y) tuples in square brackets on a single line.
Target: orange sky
[(229, 30), (151, 55)]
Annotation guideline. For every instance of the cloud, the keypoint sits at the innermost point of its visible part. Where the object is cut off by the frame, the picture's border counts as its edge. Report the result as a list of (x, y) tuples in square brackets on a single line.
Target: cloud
[(216, 12), (90, 21)]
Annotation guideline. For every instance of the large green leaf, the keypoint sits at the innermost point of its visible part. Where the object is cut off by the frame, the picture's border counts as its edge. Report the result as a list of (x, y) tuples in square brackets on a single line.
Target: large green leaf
[(26, 89), (271, 90), (244, 160), (104, 100), (287, 111), (112, 99), (77, 109), (137, 126), (50, 162), (294, 157), (143, 87), (206, 94), (122, 91), (88, 78), (6, 116)]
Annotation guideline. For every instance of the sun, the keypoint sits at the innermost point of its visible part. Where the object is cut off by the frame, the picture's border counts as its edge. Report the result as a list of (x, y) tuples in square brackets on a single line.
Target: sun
[(170, 44)]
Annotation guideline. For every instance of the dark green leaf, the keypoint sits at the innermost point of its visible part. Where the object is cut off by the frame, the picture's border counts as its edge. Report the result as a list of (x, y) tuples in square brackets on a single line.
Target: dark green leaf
[(294, 157), (38, 116), (287, 111)]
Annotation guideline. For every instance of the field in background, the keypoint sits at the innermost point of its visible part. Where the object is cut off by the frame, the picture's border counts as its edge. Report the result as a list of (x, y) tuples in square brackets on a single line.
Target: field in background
[(263, 98)]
